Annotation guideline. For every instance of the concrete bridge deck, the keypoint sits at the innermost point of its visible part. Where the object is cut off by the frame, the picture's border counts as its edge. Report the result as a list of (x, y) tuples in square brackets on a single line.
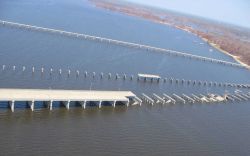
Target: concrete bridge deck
[(47, 95)]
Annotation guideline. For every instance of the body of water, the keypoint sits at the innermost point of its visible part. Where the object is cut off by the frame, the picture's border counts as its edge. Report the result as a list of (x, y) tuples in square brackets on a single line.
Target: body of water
[(198, 129)]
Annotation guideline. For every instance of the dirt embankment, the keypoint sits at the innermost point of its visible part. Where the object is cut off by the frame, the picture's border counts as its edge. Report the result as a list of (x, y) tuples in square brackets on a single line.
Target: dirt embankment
[(232, 40)]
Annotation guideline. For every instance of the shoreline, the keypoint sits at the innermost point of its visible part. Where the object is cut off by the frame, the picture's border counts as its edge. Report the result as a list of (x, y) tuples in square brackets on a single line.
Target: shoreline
[(236, 58)]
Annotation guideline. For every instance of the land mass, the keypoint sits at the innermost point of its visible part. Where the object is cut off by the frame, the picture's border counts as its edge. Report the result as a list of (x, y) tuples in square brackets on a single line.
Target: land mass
[(230, 39)]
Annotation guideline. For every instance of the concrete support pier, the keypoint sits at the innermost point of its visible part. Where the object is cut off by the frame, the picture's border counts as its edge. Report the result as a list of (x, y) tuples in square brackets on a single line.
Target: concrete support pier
[(12, 105), (114, 103), (100, 104), (66, 104), (32, 105), (83, 104), (50, 105)]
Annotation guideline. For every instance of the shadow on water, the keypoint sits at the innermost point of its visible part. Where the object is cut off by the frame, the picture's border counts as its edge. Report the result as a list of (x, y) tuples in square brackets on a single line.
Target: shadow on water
[(26, 115)]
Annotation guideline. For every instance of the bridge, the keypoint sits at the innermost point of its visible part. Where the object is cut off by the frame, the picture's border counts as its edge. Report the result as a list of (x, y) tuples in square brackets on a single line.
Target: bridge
[(49, 96), (191, 99), (82, 97), (117, 42), (144, 77)]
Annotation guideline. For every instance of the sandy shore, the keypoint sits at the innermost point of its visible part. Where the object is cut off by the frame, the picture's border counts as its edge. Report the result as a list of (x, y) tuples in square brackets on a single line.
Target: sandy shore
[(236, 58)]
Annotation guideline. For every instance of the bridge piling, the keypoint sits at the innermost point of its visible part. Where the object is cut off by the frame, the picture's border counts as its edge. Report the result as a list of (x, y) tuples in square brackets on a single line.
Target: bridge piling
[(114, 103), (182, 81), (51, 71), (77, 73), (24, 68), (101, 75), (69, 72), (124, 76), (199, 83), (127, 103), (12, 105), (210, 83), (215, 84), (171, 80), (66, 104), (131, 77), (84, 104), (165, 80), (205, 83), (116, 76), (158, 80), (33, 69), (177, 81), (50, 105), (3, 68), (31, 104)]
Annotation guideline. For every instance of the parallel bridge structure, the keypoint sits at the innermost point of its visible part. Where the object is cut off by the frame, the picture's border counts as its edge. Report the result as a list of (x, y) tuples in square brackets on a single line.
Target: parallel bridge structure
[(116, 42)]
